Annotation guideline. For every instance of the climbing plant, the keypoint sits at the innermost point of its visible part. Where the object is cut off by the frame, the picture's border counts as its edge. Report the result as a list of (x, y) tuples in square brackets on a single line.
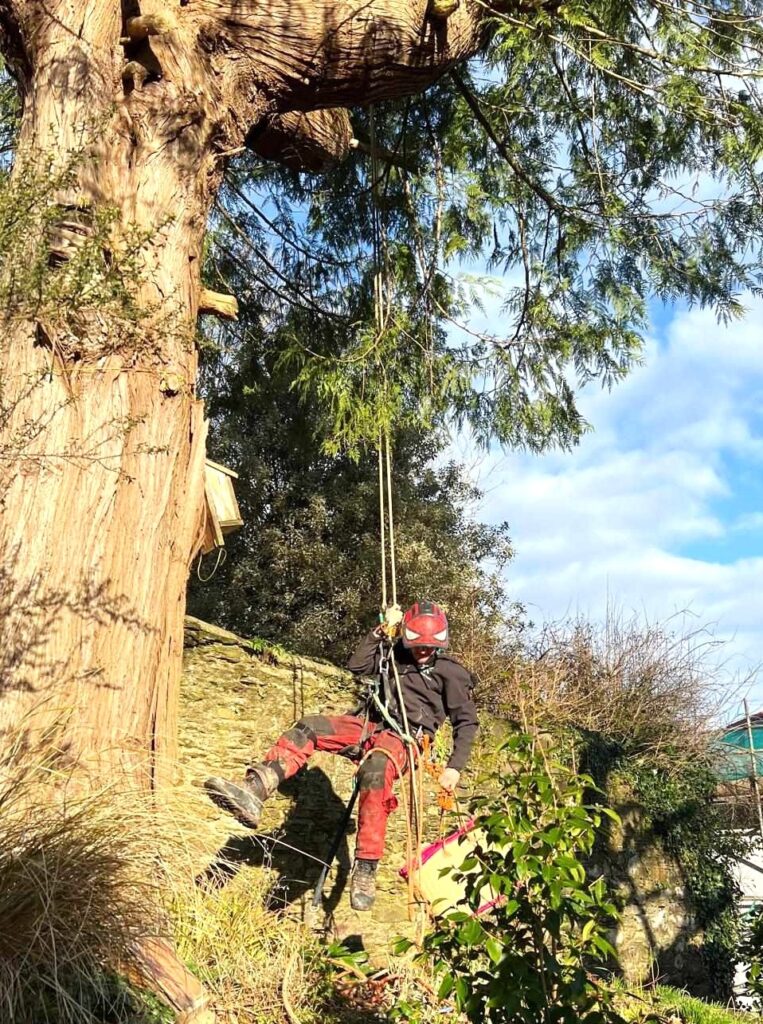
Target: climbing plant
[(751, 953), (680, 809)]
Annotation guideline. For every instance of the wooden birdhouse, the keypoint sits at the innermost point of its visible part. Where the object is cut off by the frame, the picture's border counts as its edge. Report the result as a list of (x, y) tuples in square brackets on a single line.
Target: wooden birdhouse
[(222, 512)]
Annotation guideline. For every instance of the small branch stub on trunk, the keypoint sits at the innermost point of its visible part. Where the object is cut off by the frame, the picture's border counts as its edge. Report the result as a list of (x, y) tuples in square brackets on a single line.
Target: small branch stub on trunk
[(146, 25), (225, 306), (441, 10)]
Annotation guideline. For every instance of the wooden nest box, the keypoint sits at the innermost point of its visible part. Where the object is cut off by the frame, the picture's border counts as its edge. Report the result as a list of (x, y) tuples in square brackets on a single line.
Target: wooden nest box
[(222, 514)]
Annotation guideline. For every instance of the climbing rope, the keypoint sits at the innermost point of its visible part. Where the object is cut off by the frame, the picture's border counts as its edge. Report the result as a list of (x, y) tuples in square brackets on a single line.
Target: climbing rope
[(395, 718), (392, 566), (382, 517), (399, 725), (381, 298)]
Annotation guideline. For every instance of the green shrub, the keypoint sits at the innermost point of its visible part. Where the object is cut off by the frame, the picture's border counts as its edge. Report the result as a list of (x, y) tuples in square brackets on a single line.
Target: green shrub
[(531, 956)]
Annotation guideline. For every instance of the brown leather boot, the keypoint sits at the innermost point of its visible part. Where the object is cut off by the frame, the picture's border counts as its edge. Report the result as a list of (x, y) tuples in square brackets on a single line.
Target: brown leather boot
[(244, 799), (363, 884)]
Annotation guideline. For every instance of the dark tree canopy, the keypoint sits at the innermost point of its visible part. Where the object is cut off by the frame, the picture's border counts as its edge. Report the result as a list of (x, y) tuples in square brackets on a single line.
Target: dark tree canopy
[(304, 572)]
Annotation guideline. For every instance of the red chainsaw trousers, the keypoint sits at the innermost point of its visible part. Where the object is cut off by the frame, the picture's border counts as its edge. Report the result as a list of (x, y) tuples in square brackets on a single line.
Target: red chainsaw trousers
[(341, 734)]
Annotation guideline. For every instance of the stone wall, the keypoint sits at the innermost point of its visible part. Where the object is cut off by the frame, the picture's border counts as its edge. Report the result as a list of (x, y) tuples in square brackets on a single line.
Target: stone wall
[(235, 703), (657, 936)]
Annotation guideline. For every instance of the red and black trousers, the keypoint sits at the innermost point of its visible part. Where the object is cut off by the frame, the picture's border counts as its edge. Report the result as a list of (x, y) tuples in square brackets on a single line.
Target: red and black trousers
[(382, 756)]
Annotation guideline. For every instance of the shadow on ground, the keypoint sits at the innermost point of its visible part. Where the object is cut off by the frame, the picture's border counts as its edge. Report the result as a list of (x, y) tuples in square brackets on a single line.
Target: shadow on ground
[(296, 851)]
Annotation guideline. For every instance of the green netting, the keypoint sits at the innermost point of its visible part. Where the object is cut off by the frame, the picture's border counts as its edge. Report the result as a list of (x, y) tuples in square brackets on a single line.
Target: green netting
[(733, 754)]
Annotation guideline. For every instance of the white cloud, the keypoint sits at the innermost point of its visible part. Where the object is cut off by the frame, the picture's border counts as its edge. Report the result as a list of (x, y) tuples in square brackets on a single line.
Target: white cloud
[(611, 522)]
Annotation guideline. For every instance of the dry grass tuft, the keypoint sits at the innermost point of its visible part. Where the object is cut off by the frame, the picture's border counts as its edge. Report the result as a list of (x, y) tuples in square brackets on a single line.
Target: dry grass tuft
[(75, 891), (83, 877), (246, 955)]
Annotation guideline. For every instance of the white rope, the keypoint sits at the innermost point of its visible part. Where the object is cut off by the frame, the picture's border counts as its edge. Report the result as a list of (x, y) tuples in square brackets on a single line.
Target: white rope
[(379, 256), (401, 728), (381, 523), (380, 290), (393, 569)]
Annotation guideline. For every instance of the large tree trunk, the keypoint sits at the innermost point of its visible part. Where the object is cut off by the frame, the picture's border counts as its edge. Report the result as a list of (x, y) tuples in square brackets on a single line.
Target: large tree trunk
[(101, 435)]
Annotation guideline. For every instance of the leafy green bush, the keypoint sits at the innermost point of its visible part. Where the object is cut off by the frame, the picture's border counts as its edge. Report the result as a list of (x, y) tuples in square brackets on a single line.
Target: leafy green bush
[(530, 957)]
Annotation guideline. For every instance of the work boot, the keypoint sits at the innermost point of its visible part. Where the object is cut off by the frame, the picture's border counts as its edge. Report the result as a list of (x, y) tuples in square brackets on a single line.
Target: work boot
[(363, 884), (244, 799)]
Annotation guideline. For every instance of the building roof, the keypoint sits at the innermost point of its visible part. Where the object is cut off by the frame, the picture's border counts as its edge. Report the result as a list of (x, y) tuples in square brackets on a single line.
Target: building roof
[(755, 719)]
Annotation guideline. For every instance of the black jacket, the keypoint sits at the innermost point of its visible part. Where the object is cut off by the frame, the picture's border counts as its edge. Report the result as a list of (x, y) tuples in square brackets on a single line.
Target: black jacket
[(441, 689)]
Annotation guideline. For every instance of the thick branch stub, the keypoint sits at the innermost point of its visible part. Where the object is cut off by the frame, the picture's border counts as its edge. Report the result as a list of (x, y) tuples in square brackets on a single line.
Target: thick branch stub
[(441, 10), (339, 53), (143, 26), (225, 306), (303, 141)]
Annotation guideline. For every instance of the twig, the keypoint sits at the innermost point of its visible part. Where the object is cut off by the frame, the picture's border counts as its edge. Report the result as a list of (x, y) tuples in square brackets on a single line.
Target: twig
[(287, 1005)]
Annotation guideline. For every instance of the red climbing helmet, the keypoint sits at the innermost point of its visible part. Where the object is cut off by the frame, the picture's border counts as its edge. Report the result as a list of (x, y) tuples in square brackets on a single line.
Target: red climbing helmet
[(425, 625)]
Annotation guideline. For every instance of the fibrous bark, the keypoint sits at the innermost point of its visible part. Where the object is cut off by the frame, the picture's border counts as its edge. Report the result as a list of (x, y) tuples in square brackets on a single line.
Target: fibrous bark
[(102, 483)]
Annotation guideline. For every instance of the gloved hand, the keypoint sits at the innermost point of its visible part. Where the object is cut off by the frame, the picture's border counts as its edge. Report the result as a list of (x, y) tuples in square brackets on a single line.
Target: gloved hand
[(393, 616), (449, 779)]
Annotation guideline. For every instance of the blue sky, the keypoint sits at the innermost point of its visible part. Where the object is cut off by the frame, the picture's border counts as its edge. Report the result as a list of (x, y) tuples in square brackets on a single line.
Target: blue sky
[(659, 510)]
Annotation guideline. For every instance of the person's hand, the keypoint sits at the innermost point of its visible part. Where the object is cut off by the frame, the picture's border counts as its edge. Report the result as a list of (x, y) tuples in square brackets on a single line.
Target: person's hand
[(449, 779), (393, 616)]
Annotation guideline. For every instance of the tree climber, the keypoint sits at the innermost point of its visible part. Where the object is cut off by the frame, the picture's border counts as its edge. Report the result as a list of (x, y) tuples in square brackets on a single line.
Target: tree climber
[(434, 687)]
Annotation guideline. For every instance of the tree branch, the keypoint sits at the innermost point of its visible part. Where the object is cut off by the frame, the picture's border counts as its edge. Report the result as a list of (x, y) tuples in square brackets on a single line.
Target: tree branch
[(218, 304), (336, 53), (304, 141), (514, 164)]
